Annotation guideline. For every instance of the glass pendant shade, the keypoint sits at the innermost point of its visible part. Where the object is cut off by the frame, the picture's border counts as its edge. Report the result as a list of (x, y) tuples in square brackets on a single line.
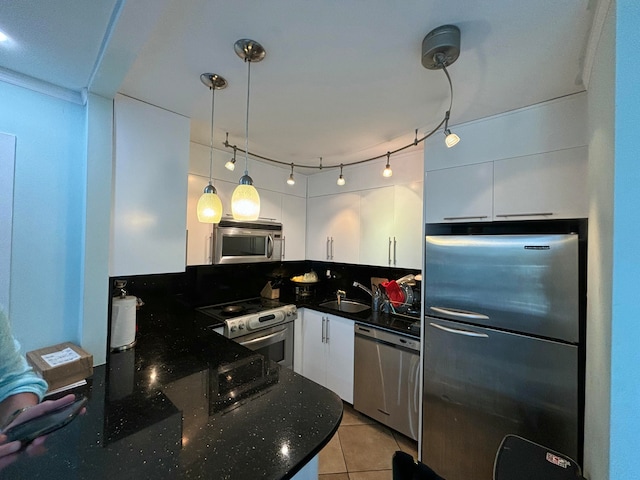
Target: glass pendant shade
[(209, 207), (245, 201), (387, 172)]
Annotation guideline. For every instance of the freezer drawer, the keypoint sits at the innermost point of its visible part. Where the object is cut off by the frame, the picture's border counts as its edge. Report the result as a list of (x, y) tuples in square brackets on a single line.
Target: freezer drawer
[(523, 283), (481, 384), (387, 378)]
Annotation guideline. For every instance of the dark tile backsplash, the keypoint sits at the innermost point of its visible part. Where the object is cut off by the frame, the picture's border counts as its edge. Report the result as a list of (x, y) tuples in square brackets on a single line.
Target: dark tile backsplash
[(212, 284)]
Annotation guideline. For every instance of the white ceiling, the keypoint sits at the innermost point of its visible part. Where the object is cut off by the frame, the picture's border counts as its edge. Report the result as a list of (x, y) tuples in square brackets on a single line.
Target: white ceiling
[(342, 79)]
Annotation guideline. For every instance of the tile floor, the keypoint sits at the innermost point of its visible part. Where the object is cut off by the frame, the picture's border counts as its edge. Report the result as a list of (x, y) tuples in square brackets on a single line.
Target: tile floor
[(362, 449)]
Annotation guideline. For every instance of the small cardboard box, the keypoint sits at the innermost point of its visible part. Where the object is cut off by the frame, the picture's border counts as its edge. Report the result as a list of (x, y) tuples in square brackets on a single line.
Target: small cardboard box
[(62, 364)]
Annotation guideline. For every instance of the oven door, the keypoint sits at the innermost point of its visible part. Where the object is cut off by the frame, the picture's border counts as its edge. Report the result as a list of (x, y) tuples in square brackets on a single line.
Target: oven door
[(275, 343)]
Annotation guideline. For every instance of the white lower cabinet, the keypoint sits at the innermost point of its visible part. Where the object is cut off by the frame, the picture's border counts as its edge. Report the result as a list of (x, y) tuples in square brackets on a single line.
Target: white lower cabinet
[(327, 352)]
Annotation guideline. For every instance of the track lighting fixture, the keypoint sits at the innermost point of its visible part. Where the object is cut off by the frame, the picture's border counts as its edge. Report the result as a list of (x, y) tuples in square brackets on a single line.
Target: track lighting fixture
[(341, 181), (387, 172), (209, 208), (231, 164), (245, 201), (440, 48), (291, 180)]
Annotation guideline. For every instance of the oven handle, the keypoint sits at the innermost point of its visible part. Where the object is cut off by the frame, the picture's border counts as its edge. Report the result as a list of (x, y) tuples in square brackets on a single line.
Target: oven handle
[(281, 335)]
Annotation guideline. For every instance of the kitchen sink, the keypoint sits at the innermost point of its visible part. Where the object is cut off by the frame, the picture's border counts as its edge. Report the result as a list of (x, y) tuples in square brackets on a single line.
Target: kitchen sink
[(347, 306)]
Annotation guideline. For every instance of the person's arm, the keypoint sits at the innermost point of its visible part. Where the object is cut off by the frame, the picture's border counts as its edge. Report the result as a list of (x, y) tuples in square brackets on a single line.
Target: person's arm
[(16, 404)]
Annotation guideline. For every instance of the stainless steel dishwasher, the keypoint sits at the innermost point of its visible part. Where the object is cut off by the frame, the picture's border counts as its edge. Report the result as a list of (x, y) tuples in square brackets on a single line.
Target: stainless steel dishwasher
[(387, 378)]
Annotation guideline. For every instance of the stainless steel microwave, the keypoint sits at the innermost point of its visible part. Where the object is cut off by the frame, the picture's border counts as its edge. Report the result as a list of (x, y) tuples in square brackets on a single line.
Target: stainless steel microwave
[(246, 242)]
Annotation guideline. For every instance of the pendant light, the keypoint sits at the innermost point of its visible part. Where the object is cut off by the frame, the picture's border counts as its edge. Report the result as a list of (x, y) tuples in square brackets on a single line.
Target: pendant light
[(209, 207), (291, 180), (245, 201), (341, 181), (387, 172)]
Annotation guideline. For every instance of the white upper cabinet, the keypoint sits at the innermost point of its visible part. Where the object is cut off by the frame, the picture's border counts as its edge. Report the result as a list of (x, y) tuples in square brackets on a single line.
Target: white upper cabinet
[(333, 227), (549, 185), (460, 194), (391, 226), (408, 242), (149, 189), (198, 234), (377, 226), (294, 224)]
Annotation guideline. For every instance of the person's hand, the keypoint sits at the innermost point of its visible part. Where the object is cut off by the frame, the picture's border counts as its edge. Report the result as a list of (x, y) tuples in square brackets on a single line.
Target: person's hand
[(9, 450)]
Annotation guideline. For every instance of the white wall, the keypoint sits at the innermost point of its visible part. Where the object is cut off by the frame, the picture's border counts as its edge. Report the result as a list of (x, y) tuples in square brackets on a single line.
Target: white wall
[(599, 262), (48, 215), (625, 311)]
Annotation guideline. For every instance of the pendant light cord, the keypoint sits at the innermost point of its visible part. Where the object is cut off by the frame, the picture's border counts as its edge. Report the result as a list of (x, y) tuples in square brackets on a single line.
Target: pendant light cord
[(213, 94), (246, 124)]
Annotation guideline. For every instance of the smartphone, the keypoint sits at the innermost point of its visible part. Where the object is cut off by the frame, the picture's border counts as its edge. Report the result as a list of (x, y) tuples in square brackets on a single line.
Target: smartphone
[(45, 423)]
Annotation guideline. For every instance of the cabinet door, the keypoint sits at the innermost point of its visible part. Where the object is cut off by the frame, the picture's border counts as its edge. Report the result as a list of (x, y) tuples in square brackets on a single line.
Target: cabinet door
[(459, 194), (150, 189), (313, 347), (198, 234), (340, 356), (549, 185), (270, 205), (334, 227), (294, 224), (408, 241), (377, 226)]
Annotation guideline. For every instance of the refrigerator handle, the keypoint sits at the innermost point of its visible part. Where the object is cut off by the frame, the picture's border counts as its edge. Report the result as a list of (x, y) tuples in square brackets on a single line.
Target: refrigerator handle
[(460, 313), (459, 332)]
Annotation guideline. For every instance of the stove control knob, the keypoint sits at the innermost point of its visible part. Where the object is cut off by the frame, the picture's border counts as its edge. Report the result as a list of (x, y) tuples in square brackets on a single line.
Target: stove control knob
[(241, 326), (233, 328)]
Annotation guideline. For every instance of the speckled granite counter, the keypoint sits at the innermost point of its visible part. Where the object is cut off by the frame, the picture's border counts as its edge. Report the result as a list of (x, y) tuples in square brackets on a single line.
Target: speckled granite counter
[(188, 404)]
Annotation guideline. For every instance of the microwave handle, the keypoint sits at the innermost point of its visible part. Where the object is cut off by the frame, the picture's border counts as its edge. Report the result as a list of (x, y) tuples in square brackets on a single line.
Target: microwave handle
[(269, 246)]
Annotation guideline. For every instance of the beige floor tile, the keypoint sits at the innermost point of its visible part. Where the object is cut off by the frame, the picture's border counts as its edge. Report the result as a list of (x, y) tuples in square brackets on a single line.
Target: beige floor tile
[(353, 417), (367, 447), (406, 444), (373, 475), (334, 476), (331, 459)]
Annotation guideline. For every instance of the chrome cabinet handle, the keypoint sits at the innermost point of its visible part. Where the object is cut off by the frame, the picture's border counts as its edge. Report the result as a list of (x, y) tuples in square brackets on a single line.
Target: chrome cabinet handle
[(331, 248), (543, 214), (460, 313), (323, 337), (389, 251), (465, 218), (395, 259), (327, 248), (210, 245), (283, 243), (466, 333), (327, 335)]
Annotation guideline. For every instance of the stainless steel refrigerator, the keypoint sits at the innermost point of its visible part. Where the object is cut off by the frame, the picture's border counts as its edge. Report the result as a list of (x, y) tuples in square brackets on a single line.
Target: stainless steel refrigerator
[(503, 341)]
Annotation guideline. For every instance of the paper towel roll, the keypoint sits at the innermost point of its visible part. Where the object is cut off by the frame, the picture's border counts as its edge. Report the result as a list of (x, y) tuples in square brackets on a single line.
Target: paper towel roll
[(123, 322)]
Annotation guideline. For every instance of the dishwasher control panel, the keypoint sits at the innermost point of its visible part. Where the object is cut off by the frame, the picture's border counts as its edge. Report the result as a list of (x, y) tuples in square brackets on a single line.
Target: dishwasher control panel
[(385, 336)]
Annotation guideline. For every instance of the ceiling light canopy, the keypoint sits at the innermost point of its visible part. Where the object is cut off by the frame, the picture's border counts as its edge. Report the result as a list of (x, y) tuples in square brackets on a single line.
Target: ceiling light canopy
[(209, 208), (245, 201)]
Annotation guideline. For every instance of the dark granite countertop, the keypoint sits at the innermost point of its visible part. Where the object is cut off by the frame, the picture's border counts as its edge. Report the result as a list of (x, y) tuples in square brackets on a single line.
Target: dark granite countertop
[(404, 324), (185, 403)]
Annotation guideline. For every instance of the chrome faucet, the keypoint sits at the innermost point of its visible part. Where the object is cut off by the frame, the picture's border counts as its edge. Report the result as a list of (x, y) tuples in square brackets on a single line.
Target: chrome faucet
[(359, 285), (340, 294)]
